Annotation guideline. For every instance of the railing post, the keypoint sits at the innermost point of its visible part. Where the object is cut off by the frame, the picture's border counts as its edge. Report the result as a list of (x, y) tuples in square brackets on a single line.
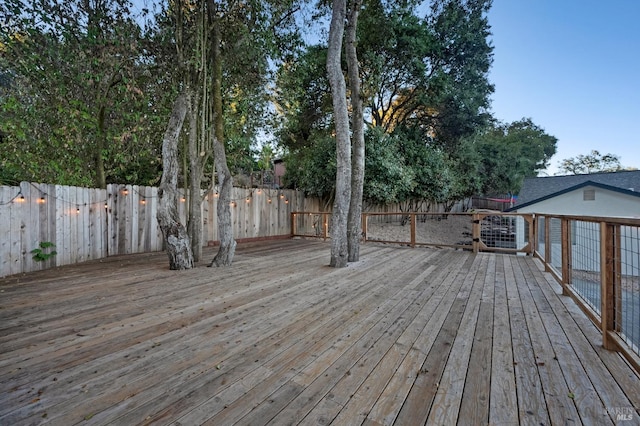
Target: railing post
[(413, 229), (325, 225), (533, 233), (475, 231), (566, 255), (609, 259), (364, 227), (293, 224)]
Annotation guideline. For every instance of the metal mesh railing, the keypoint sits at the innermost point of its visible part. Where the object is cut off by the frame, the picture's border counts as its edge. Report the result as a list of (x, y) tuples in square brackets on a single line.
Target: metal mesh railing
[(554, 245), (540, 236), (584, 264), (598, 260), (627, 306), (505, 231)]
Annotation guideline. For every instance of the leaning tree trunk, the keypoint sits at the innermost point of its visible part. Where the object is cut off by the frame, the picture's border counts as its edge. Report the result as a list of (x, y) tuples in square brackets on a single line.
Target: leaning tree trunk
[(225, 254), (175, 234), (354, 222), (339, 248), (227, 249)]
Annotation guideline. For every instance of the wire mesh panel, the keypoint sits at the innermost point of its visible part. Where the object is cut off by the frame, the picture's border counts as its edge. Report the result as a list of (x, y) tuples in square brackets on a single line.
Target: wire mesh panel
[(555, 243), (585, 261), (628, 303), (498, 231), (506, 232), (540, 247), (394, 228)]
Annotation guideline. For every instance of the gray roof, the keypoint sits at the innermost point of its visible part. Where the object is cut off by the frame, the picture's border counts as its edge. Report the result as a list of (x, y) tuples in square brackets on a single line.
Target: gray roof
[(534, 189)]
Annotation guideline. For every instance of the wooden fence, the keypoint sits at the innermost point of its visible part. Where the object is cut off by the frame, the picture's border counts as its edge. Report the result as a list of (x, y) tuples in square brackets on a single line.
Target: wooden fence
[(85, 223)]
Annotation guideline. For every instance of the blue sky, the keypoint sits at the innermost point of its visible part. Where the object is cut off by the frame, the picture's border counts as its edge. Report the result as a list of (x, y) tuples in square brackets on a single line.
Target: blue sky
[(573, 66)]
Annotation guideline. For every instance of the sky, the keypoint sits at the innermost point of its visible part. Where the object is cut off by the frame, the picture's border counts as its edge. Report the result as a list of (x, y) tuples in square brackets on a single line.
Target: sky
[(573, 67)]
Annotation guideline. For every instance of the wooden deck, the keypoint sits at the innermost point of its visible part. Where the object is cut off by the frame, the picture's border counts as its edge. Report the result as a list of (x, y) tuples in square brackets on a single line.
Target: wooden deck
[(405, 337)]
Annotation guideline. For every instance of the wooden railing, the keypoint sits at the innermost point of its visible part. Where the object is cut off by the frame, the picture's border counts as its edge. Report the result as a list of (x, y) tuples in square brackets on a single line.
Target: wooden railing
[(595, 259), (478, 231), (597, 262)]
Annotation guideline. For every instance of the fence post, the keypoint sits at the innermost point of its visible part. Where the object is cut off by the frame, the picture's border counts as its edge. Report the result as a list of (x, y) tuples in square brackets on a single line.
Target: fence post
[(325, 225), (566, 255), (609, 279), (475, 231), (293, 224), (413, 229), (364, 227), (531, 219)]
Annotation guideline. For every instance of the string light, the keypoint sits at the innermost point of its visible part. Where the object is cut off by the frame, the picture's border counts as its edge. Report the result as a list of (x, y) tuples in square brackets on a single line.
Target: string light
[(42, 199)]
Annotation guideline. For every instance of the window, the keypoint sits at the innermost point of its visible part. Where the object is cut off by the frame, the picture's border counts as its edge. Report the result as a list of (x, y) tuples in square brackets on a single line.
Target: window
[(589, 195)]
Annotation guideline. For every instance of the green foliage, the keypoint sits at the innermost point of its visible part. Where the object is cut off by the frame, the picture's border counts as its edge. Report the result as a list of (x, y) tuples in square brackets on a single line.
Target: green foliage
[(590, 163), (509, 153), (313, 170), (430, 73), (42, 252), (303, 98), (387, 178), (425, 88), (71, 108)]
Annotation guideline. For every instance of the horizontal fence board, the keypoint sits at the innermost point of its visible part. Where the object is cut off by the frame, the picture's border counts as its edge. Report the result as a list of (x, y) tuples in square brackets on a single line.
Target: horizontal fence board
[(88, 223)]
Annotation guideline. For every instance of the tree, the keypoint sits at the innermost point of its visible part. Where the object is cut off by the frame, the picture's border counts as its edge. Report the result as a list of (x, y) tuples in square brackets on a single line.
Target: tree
[(339, 246), (72, 109), (222, 52), (388, 177), (354, 221), (510, 152), (175, 234), (590, 163), (424, 81), (430, 73)]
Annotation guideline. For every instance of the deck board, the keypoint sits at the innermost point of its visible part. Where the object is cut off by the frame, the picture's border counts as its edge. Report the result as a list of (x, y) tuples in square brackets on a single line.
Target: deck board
[(405, 336)]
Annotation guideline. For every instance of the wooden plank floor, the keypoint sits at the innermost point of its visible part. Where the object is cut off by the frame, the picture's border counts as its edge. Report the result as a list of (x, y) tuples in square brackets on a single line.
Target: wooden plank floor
[(405, 337)]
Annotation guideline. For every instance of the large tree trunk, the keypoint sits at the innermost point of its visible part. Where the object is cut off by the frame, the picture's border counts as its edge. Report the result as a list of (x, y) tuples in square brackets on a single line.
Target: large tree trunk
[(227, 249), (175, 234), (339, 249), (354, 222), (225, 181)]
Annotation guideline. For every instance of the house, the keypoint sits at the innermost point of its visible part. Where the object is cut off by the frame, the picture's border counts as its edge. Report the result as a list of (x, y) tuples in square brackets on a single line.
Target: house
[(614, 194)]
